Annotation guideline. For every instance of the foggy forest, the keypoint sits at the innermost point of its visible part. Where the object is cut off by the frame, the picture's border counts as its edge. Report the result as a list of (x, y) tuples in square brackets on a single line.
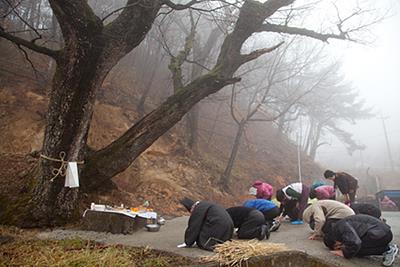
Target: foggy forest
[(136, 105)]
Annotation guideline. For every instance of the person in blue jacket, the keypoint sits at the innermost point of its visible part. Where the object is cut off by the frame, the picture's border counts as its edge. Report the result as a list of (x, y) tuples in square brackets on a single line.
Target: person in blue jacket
[(268, 208)]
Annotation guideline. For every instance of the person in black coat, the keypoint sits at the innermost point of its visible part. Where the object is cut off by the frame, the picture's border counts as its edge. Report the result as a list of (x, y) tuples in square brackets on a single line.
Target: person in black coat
[(209, 224), (361, 235), (250, 223), (366, 208)]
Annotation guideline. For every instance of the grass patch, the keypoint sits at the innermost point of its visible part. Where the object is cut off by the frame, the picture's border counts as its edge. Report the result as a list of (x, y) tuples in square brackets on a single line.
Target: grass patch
[(24, 249)]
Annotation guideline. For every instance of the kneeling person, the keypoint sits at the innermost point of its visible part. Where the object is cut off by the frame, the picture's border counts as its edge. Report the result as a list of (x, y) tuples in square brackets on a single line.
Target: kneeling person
[(209, 224), (250, 223), (361, 235), (322, 213), (268, 208)]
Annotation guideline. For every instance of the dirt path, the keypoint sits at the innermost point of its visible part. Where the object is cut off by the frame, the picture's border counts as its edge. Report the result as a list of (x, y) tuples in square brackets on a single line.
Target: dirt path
[(171, 234)]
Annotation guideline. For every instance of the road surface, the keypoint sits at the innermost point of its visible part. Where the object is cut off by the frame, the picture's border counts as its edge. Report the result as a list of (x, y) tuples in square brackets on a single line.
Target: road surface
[(171, 234)]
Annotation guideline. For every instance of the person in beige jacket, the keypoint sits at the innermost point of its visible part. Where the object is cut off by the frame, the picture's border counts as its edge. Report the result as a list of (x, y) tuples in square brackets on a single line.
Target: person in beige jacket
[(324, 212)]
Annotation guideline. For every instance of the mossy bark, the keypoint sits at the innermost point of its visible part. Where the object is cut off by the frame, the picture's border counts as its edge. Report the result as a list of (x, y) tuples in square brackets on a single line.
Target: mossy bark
[(90, 52)]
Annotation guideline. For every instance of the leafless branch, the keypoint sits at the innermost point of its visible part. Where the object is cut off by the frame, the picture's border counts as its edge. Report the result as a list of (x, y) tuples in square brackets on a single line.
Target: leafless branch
[(257, 53), (39, 36), (268, 27), (180, 6), (12, 9), (29, 44)]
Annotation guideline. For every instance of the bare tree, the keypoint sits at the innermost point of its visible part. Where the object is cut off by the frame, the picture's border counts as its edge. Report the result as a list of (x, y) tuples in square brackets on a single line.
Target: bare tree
[(287, 77), (334, 102)]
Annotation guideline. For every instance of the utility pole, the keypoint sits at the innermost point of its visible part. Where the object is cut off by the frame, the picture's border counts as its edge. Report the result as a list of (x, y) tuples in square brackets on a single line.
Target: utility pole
[(387, 143), (299, 155)]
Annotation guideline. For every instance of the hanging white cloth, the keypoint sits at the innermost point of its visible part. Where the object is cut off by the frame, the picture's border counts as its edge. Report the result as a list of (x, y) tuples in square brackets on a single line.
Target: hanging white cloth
[(72, 177)]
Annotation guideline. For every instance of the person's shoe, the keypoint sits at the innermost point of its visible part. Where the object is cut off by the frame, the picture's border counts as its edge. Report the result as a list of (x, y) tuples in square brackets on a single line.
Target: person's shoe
[(390, 255), (264, 232), (297, 222), (275, 226)]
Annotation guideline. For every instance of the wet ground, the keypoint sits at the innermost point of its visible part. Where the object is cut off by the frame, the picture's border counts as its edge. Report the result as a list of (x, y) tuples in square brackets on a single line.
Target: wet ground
[(171, 235)]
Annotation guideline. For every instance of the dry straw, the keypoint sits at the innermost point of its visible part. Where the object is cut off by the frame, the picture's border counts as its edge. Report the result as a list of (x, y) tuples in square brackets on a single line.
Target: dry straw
[(237, 252)]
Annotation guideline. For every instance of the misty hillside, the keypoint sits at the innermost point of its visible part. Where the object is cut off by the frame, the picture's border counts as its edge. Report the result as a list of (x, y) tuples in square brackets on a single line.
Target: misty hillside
[(167, 170)]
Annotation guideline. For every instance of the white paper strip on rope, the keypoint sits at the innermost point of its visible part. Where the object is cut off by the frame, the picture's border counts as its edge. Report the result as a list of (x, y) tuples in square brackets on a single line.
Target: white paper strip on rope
[(72, 178)]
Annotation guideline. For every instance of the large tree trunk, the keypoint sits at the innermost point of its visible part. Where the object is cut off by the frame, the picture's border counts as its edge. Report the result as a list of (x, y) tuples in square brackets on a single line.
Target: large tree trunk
[(69, 114), (225, 177), (90, 52)]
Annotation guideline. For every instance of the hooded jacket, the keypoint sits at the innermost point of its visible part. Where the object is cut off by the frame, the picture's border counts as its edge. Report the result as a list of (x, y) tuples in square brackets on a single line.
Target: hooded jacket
[(208, 225), (264, 190), (324, 192), (353, 229), (323, 210)]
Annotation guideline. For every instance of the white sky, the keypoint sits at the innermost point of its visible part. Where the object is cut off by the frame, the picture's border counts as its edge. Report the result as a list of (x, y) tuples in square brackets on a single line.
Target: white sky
[(374, 70)]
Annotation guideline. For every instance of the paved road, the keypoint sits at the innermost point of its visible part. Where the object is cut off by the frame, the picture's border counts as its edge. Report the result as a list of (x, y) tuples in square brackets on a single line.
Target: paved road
[(171, 234)]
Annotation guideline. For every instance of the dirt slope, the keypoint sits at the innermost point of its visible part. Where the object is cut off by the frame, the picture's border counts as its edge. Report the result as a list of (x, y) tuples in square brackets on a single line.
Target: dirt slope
[(162, 175)]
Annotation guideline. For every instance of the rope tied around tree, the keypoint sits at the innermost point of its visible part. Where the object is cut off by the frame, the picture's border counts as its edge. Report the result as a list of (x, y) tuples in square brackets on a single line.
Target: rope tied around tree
[(62, 170)]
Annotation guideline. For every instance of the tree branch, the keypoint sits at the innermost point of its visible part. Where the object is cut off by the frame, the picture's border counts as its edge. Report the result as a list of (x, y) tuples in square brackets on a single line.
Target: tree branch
[(268, 27), (179, 6), (259, 52), (32, 46)]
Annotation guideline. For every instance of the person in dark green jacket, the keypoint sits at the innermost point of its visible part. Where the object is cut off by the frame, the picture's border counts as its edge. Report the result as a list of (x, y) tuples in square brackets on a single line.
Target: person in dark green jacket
[(293, 199)]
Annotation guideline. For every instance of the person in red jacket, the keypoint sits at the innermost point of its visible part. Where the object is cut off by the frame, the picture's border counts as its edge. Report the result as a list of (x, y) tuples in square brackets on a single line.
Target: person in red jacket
[(323, 192), (262, 190)]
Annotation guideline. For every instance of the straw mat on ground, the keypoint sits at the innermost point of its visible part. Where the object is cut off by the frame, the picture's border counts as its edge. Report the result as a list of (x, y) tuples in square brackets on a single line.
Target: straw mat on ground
[(235, 252)]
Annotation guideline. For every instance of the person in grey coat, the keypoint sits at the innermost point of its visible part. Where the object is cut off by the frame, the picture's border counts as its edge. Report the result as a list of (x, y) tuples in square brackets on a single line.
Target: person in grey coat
[(209, 224)]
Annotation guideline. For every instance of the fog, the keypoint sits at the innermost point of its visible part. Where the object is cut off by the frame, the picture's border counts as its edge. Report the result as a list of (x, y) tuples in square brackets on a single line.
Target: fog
[(373, 70)]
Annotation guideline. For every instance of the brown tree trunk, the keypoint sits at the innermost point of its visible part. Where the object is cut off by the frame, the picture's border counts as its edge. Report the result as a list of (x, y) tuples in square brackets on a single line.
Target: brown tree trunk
[(225, 177), (88, 56), (315, 143), (69, 114), (117, 156)]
